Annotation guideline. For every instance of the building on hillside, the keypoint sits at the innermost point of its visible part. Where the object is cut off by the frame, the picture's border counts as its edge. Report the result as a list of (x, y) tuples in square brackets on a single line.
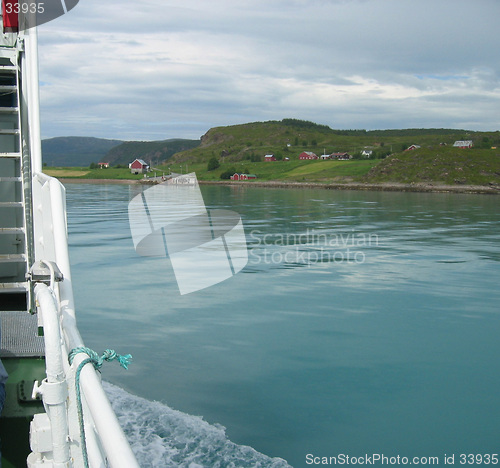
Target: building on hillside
[(463, 144), (307, 155), (366, 153), (138, 166), (103, 164), (239, 176), (341, 156), (412, 147), (269, 157), (326, 156)]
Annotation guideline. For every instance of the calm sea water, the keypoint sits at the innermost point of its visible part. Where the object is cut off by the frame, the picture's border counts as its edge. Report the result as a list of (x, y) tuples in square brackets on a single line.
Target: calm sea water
[(364, 323)]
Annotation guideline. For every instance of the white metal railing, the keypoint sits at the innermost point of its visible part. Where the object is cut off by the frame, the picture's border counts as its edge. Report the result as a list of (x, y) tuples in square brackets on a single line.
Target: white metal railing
[(56, 306)]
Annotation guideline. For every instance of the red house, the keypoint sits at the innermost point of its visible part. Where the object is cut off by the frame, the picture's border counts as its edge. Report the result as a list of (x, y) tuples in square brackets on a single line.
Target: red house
[(307, 155), (269, 157), (138, 167), (238, 176)]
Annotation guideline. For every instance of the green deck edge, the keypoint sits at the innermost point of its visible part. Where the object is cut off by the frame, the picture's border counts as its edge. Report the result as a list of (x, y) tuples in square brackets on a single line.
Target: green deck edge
[(17, 414)]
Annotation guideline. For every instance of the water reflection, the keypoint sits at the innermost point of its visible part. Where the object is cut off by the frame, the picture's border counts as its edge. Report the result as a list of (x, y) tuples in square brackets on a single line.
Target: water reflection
[(336, 355)]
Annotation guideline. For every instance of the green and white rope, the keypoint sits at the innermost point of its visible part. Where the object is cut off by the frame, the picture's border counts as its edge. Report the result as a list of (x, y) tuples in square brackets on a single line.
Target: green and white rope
[(97, 361)]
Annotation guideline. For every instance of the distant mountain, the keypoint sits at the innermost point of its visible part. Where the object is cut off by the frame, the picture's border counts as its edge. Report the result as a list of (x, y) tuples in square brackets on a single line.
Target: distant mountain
[(82, 151), (153, 152), (75, 151)]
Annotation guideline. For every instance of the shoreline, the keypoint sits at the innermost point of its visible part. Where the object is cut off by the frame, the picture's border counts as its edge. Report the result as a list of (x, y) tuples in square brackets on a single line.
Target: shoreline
[(384, 187), (381, 187), (76, 180)]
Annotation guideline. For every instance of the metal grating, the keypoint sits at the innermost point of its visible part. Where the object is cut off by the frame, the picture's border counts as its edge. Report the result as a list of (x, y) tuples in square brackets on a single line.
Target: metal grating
[(19, 335)]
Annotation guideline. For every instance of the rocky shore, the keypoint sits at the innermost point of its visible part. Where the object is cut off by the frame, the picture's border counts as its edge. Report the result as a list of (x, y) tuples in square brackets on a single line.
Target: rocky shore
[(390, 187)]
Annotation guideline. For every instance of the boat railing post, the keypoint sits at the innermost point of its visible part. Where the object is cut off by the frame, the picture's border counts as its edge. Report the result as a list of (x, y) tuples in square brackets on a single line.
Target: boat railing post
[(53, 389)]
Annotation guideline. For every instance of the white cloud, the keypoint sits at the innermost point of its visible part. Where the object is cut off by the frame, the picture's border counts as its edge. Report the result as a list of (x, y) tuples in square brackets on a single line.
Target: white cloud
[(159, 69)]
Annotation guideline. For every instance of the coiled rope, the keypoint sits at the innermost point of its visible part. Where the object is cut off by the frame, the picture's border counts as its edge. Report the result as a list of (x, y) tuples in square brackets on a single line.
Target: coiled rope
[(97, 361)]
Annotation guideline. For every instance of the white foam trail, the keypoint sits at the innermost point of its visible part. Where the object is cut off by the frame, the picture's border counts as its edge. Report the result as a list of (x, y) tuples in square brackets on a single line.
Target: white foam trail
[(162, 437)]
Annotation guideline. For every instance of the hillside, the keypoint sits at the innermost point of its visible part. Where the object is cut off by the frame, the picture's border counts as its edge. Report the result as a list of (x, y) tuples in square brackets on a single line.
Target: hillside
[(241, 148), (152, 152), (289, 137), (439, 165), (75, 151)]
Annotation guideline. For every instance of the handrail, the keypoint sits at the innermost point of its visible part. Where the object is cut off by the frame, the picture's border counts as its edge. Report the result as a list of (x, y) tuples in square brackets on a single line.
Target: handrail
[(50, 233)]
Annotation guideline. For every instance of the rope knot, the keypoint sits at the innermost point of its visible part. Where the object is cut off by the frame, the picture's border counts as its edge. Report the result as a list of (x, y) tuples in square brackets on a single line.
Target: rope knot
[(97, 361), (109, 355)]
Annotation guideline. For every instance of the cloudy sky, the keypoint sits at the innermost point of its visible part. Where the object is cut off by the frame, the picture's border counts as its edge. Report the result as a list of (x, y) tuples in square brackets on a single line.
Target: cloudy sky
[(158, 69)]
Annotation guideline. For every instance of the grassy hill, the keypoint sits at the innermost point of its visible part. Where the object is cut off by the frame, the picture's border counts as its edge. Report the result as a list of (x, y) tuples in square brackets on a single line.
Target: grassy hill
[(289, 137), (242, 147), (441, 165), (75, 151)]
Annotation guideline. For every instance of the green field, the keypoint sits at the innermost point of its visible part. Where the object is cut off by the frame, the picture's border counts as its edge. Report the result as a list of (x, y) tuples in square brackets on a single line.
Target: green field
[(86, 173), (298, 171)]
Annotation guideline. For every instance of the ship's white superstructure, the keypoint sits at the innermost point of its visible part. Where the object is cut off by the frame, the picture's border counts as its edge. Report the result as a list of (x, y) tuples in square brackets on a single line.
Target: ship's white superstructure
[(36, 290)]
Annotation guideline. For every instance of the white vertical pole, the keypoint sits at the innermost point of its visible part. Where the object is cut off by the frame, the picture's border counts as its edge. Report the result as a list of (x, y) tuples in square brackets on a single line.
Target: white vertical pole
[(54, 388), (33, 98)]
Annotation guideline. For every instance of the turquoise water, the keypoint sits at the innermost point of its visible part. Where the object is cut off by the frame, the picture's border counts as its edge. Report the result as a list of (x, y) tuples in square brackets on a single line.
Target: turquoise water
[(365, 322)]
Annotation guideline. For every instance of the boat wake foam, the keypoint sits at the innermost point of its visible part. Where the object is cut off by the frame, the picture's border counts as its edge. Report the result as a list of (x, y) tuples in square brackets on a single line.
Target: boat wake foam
[(162, 437)]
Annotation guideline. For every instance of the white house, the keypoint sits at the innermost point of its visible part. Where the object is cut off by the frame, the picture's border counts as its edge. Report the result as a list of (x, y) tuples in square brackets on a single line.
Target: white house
[(463, 144)]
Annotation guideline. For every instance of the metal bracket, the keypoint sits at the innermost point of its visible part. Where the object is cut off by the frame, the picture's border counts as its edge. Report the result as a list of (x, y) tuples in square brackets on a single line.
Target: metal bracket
[(44, 271), (26, 391)]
